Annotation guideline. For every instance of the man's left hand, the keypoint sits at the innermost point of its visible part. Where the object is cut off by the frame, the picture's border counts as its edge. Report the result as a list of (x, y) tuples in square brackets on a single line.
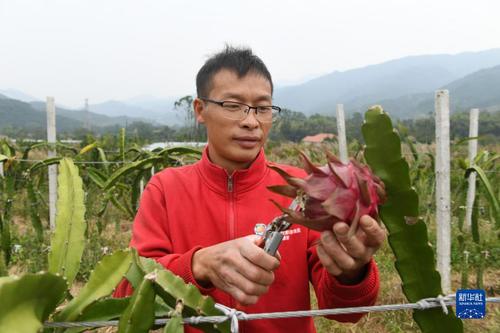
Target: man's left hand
[(346, 257)]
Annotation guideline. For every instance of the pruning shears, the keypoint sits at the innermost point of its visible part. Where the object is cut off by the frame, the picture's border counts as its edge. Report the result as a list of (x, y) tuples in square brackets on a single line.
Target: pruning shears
[(273, 234)]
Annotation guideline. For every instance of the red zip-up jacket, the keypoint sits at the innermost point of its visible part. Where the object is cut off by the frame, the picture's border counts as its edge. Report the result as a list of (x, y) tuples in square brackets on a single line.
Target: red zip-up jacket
[(187, 208)]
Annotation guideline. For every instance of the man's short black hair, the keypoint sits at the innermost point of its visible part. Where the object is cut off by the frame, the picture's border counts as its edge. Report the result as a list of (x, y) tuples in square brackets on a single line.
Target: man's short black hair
[(239, 60)]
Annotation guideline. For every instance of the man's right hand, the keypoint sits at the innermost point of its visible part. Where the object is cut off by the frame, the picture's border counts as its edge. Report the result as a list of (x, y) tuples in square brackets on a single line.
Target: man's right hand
[(239, 267)]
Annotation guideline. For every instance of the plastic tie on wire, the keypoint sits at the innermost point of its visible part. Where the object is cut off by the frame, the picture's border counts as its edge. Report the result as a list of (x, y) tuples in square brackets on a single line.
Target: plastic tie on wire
[(426, 303), (441, 300), (196, 320), (233, 315)]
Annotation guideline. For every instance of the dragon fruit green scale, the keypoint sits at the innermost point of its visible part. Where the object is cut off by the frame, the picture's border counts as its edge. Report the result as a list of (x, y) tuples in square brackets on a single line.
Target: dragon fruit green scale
[(331, 193)]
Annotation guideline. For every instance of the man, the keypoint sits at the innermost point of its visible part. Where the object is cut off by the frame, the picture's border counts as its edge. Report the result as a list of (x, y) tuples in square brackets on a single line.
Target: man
[(199, 221)]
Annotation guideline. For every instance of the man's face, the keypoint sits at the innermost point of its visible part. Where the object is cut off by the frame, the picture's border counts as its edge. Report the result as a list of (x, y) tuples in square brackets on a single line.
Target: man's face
[(234, 144)]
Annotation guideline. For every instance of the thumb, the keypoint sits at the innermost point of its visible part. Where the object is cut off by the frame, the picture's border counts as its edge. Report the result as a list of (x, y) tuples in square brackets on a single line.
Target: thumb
[(256, 239)]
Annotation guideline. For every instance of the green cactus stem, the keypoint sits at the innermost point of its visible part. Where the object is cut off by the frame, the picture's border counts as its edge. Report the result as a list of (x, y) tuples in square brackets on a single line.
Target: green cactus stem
[(102, 281), (139, 315), (26, 302), (407, 235), (172, 288), (101, 310), (68, 240)]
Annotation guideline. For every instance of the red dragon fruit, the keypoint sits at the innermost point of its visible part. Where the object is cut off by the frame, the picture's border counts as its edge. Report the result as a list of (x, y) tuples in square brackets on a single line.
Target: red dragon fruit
[(331, 193)]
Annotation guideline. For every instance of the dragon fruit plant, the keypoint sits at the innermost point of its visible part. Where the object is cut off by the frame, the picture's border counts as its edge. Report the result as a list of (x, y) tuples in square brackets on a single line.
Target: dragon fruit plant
[(331, 193)]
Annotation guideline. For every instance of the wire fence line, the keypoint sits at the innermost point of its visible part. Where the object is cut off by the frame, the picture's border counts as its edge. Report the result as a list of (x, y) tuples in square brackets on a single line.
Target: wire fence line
[(130, 162), (234, 316), (77, 162)]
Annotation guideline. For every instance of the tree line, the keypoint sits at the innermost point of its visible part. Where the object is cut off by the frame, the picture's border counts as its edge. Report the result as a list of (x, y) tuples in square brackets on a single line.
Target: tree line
[(290, 126)]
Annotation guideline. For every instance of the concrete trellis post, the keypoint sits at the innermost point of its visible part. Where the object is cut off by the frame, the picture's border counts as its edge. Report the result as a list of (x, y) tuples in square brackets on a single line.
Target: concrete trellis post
[(442, 107), (341, 135), (471, 190), (51, 139), (141, 187)]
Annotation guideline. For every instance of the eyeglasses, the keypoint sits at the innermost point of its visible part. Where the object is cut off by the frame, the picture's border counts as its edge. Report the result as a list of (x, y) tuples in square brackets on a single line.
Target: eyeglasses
[(239, 111)]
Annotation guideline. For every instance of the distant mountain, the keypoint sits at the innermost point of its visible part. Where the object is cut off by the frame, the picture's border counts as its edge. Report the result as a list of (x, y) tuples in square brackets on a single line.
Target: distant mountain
[(116, 108), (155, 109), (405, 87), (477, 90), (153, 103), (480, 89), (15, 113), (17, 94), (389, 80), (91, 119)]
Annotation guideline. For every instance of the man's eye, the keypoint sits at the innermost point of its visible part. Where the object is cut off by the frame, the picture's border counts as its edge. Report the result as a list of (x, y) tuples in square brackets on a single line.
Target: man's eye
[(232, 106), (264, 109)]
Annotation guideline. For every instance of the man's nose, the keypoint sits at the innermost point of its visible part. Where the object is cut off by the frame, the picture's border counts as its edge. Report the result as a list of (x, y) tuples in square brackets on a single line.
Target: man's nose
[(251, 119)]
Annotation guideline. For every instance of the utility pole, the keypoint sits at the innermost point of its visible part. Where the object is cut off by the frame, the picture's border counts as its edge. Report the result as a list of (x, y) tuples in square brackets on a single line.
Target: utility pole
[(52, 169), (443, 213), (87, 115)]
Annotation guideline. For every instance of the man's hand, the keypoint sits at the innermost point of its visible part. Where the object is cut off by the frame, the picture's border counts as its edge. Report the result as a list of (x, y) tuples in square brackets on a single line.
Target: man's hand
[(346, 257), (239, 267)]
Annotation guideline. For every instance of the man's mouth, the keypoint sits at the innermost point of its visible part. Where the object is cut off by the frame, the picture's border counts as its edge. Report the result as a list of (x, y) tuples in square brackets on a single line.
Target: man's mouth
[(247, 141)]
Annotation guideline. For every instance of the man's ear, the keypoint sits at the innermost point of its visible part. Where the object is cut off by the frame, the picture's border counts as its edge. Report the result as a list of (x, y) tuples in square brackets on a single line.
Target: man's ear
[(199, 108)]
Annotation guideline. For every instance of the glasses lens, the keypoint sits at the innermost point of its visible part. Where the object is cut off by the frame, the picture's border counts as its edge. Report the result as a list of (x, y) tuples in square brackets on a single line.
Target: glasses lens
[(237, 111), (233, 110), (265, 114)]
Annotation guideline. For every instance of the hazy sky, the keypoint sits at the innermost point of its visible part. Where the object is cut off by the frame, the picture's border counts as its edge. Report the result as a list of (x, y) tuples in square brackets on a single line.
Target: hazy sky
[(117, 49)]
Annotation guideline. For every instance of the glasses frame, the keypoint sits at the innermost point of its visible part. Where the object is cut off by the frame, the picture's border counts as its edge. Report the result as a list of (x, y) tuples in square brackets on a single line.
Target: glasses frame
[(248, 108)]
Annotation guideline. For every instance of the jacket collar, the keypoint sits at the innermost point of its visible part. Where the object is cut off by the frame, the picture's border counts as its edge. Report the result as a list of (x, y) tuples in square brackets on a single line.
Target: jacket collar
[(242, 180)]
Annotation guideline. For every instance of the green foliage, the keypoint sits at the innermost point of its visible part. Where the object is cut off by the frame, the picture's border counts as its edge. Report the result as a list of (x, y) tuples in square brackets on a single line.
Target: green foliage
[(3, 266), (494, 204), (407, 236), (23, 193), (172, 288), (68, 240), (106, 275), (122, 143), (42, 164), (8, 185), (26, 302), (5, 234), (139, 316), (192, 131), (33, 209), (101, 310), (174, 325), (88, 148), (424, 129), (127, 169)]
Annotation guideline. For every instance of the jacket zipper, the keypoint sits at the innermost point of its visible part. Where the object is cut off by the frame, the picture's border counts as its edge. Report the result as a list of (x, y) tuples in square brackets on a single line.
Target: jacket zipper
[(230, 186)]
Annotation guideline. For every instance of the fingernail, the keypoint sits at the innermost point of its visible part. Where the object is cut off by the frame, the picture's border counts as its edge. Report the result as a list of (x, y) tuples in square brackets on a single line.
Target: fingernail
[(326, 235), (366, 221), (341, 230)]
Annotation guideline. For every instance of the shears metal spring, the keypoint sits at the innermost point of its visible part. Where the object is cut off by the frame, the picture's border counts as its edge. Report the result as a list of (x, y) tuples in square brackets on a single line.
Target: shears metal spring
[(273, 235)]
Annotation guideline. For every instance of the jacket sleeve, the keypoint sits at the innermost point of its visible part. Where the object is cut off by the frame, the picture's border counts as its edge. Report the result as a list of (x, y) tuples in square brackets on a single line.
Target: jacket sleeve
[(151, 238), (332, 294)]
